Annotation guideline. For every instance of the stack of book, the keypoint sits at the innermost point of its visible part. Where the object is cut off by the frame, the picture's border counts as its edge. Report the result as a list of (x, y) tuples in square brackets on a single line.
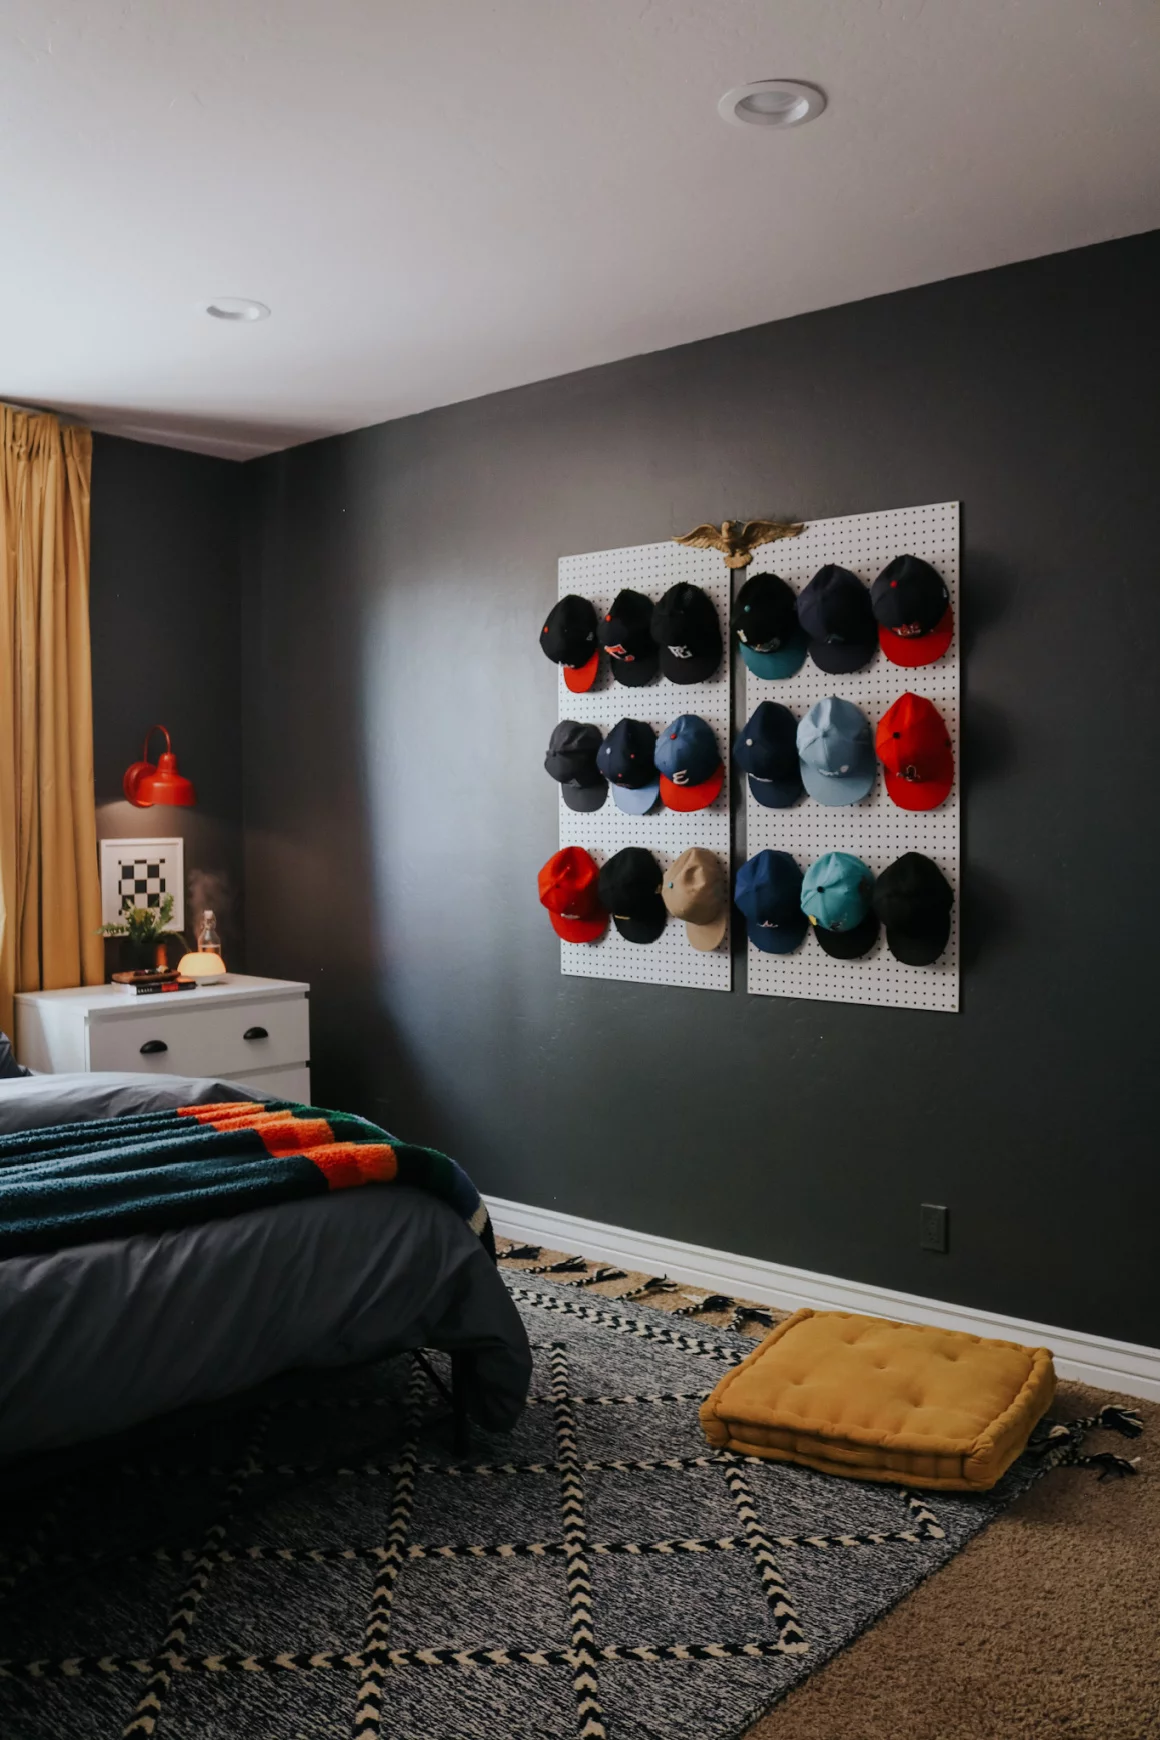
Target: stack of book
[(153, 980)]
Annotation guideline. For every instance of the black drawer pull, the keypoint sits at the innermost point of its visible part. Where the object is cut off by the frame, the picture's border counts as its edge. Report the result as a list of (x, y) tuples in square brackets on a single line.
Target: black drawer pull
[(255, 1033), (152, 1046)]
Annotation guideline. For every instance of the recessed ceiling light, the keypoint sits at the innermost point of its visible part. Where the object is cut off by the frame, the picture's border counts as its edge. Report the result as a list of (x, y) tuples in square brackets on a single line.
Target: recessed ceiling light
[(236, 308), (772, 103)]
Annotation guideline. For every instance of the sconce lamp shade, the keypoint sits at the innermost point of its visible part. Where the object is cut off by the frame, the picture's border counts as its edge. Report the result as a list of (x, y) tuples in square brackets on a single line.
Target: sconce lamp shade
[(145, 784)]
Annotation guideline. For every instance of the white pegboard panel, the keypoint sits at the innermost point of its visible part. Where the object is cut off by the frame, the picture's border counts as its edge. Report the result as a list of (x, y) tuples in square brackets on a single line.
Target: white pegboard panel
[(651, 569), (876, 830)]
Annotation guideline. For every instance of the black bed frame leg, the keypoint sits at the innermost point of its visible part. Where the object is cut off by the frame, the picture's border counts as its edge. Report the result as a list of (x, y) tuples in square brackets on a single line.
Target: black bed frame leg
[(462, 1378)]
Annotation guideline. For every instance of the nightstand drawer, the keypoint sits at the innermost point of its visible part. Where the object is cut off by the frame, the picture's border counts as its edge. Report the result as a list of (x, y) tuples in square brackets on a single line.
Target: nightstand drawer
[(190, 1041)]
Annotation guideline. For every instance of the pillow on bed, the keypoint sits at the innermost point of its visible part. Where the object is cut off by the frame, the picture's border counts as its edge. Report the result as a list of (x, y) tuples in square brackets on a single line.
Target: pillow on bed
[(64, 1099), (9, 1068)]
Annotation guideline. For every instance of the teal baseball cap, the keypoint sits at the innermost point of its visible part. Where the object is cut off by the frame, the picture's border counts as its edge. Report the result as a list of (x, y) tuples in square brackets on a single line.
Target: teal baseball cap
[(773, 643), (836, 898), (836, 750)]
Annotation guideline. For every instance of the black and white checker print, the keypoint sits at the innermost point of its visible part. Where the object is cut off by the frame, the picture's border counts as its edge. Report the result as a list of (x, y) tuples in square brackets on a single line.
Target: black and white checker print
[(317, 1565), (140, 882)]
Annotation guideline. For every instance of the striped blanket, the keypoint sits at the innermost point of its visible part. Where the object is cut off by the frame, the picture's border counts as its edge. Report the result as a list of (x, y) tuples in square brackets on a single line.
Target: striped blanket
[(73, 1183)]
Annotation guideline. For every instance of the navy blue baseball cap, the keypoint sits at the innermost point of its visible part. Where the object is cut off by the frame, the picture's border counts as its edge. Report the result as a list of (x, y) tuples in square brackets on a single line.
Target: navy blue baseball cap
[(836, 613), (772, 641), (625, 758), (766, 750), (768, 893), (689, 763)]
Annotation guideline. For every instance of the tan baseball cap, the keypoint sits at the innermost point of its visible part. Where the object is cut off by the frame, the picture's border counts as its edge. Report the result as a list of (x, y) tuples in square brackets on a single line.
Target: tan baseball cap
[(696, 889)]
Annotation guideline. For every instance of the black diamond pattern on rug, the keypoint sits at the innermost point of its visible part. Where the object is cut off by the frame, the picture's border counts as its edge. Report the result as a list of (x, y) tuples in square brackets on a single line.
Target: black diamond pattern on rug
[(320, 1567)]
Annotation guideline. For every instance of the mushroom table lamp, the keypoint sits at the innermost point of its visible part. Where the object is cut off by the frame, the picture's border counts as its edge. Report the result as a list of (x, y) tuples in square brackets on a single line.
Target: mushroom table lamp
[(202, 965)]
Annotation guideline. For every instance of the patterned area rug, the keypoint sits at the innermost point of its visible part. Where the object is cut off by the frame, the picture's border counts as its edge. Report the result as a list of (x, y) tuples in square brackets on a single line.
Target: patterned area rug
[(323, 1567)]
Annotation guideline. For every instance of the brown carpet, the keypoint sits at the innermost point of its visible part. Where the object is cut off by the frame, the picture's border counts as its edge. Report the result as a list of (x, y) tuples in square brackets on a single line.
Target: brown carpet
[(1046, 1627)]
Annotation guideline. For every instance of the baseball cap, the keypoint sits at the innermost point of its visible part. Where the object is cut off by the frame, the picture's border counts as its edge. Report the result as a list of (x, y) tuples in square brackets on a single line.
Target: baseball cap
[(772, 641), (568, 888), (913, 899), (625, 758), (836, 752), (836, 899), (569, 639), (571, 759), (912, 608), (695, 889), (686, 629), (624, 633), (768, 891), (916, 755), (689, 763), (630, 889), (766, 750), (834, 609)]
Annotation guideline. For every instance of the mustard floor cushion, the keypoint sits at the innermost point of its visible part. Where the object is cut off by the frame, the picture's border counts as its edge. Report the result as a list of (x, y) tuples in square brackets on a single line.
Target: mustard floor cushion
[(885, 1401)]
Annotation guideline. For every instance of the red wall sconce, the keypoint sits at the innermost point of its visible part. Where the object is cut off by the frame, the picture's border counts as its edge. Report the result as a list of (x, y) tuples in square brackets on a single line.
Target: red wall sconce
[(145, 784)]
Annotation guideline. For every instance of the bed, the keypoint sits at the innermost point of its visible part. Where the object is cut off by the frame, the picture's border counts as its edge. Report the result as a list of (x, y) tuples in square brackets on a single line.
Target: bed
[(98, 1337)]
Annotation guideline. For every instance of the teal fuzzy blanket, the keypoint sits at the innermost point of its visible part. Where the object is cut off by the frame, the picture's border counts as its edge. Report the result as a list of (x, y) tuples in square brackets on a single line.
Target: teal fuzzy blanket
[(73, 1183)]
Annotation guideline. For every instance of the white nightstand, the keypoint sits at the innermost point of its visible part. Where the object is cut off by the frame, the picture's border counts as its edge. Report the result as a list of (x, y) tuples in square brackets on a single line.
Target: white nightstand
[(254, 1031)]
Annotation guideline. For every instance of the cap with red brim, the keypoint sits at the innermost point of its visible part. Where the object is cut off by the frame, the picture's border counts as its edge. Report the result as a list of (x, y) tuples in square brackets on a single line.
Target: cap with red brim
[(580, 678), (918, 649), (692, 797), (577, 929), (914, 748), (569, 889)]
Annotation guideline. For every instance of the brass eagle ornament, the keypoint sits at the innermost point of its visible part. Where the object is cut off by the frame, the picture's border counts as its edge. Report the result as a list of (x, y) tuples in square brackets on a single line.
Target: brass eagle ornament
[(736, 541)]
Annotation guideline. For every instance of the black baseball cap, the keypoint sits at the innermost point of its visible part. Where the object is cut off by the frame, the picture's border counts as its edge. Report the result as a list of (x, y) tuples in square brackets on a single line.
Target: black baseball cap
[(568, 637), (913, 899), (766, 750), (686, 629), (630, 889), (773, 642), (834, 609), (625, 634), (912, 607), (625, 758), (571, 759)]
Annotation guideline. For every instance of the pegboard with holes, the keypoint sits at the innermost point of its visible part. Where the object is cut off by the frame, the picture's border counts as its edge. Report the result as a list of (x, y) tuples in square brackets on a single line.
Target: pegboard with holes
[(651, 569), (876, 830)]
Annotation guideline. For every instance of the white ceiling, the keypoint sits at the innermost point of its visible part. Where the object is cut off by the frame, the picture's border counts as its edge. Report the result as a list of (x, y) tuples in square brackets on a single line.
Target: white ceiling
[(440, 198)]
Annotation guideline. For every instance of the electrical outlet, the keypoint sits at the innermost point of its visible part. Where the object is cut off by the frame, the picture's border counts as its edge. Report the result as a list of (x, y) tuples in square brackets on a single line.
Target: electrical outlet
[(932, 1226)]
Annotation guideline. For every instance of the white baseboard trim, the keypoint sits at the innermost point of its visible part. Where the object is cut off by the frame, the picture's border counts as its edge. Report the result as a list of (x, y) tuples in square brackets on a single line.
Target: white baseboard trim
[(1091, 1359)]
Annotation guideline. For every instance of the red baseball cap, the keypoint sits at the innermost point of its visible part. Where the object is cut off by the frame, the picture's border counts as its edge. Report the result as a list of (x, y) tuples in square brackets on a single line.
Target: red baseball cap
[(916, 755), (569, 889)]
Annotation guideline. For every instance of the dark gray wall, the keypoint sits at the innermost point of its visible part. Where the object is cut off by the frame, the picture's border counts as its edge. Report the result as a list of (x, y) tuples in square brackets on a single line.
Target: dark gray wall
[(397, 709), (165, 611)]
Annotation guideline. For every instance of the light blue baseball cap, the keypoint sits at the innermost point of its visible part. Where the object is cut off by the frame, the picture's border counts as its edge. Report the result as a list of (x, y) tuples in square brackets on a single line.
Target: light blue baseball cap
[(836, 891), (836, 750)]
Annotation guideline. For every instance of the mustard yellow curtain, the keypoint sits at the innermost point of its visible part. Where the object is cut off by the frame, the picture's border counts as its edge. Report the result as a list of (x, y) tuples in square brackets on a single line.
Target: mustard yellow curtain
[(50, 905)]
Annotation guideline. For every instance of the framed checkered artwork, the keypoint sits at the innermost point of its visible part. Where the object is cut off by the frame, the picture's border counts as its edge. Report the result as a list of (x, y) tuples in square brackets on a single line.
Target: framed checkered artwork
[(142, 873)]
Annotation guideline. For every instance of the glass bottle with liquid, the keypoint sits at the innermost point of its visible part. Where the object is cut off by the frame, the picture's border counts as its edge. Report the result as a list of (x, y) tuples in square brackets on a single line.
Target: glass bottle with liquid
[(208, 940)]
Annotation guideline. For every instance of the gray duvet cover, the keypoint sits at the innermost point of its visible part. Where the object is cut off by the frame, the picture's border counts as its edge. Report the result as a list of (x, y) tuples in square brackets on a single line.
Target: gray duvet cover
[(98, 1337)]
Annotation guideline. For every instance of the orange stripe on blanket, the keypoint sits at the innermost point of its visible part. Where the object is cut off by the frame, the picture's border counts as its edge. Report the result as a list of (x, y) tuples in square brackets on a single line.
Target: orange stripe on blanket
[(281, 1133), (345, 1164), (236, 1109)]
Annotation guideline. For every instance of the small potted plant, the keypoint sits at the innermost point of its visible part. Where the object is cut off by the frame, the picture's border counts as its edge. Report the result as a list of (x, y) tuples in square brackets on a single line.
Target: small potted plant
[(143, 930)]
